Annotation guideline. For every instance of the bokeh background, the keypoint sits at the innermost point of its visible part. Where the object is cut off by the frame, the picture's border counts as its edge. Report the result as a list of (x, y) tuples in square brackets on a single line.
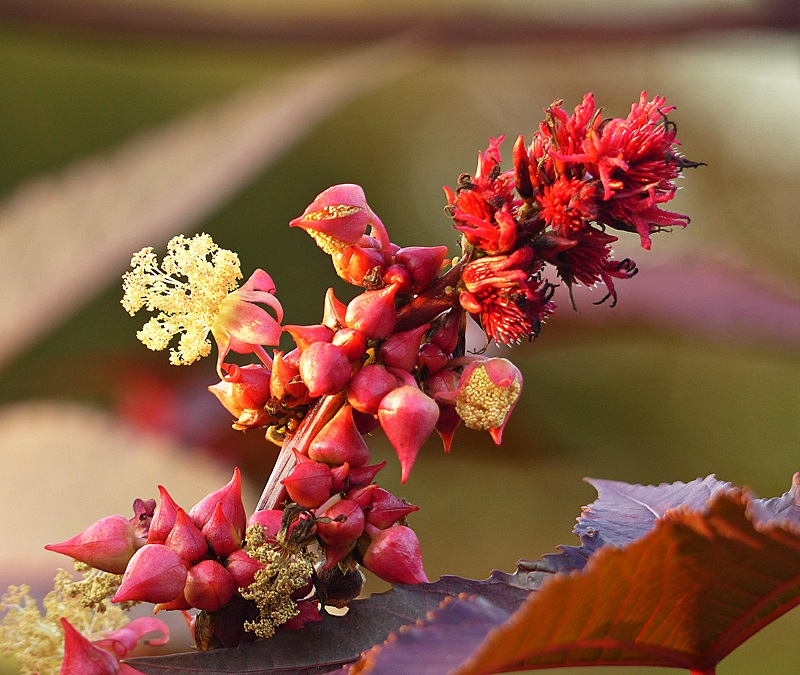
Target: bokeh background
[(125, 122)]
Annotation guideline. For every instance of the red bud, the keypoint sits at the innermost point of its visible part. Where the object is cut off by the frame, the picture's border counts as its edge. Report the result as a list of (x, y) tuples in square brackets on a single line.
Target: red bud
[(402, 349), (423, 263), (220, 533), (309, 484), (352, 342), (394, 555), (242, 567), (373, 313), (407, 416), (368, 387), (156, 573), (306, 335), (107, 544), (186, 539), (163, 518), (339, 536), (231, 498), (325, 369), (339, 441), (209, 586)]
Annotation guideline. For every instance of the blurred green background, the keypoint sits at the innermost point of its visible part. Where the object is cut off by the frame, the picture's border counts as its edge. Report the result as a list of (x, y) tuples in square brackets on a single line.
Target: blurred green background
[(110, 111)]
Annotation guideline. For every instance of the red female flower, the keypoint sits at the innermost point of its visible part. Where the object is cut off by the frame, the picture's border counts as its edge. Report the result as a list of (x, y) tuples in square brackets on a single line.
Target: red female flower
[(567, 204), (507, 295), (483, 205), (636, 160), (586, 258)]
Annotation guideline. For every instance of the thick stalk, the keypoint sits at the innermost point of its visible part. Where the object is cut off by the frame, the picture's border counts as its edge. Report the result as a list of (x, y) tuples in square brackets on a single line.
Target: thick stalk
[(323, 411)]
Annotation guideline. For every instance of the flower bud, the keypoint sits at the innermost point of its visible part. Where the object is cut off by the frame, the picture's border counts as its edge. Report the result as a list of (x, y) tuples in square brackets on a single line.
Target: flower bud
[(333, 312), (447, 424), (306, 335), (365, 423), (339, 476), (357, 264), (220, 534), (244, 391), (324, 369), (364, 475), (407, 416), (337, 217), (373, 313), (231, 498), (352, 342), (285, 383), (209, 586), (156, 573), (339, 441), (362, 495), (180, 604), (397, 275), (431, 358), (449, 330), (522, 177), (402, 349), (163, 518), (309, 484), (81, 656), (242, 567), (340, 536), (269, 519), (386, 509), (368, 387), (107, 544), (394, 555), (423, 264), (186, 539)]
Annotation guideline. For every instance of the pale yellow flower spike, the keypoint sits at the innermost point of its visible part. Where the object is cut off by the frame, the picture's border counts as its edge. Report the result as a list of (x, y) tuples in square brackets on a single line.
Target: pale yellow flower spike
[(36, 639), (195, 277)]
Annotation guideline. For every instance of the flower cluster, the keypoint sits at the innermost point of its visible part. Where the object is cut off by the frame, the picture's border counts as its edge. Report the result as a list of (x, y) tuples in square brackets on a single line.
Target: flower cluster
[(580, 175), (393, 357)]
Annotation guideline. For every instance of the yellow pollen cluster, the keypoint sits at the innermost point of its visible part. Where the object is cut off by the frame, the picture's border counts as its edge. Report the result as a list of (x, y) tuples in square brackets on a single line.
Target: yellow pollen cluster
[(332, 211), (195, 277), (327, 243), (36, 640), (481, 404), (284, 573)]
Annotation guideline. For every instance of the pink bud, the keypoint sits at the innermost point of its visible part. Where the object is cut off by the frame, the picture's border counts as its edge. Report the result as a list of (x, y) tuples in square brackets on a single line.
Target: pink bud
[(107, 544), (364, 475), (306, 335), (357, 264), (394, 555), (324, 369), (334, 311), (431, 358), (423, 263), (373, 313), (402, 349), (339, 214), (368, 387), (339, 536), (386, 509), (186, 539), (242, 567), (447, 424), (242, 387), (285, 383), (269, 519), (339, 441), (309, 484), (209, 586), (163, 518), (362, 495), (407, 416), (339, 476), (449, 330), (231, 498), (156, 573), (81, 656), (397, 275), (220, 533), (352, 342)]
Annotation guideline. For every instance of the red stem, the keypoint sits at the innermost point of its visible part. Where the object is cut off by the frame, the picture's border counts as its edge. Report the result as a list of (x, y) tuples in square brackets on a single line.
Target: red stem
[(274, 493)]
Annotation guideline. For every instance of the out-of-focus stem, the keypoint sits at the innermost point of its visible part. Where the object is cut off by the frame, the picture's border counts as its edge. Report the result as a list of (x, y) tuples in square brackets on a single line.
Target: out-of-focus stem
[(322, 413), (703, 671)]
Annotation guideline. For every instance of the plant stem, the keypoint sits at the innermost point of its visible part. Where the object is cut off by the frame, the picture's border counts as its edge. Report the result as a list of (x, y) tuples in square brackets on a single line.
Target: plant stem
[(324, 410), (703, 671)]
